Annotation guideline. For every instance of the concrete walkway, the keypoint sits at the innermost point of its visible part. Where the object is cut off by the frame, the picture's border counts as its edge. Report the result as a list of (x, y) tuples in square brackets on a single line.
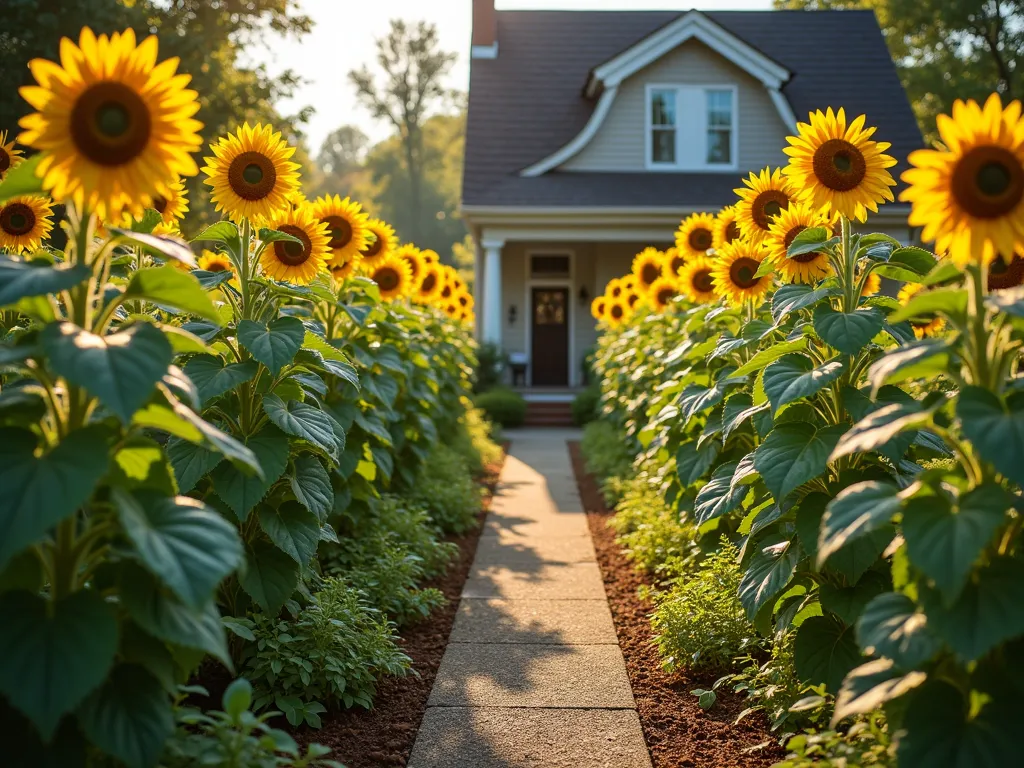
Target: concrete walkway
[(533, 676)]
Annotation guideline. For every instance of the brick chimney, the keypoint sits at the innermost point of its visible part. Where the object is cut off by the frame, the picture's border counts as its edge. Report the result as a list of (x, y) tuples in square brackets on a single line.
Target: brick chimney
[(485, 30)]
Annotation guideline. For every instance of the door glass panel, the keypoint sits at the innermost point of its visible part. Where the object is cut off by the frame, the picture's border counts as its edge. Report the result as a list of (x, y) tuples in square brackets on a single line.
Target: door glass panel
[(550, 308)]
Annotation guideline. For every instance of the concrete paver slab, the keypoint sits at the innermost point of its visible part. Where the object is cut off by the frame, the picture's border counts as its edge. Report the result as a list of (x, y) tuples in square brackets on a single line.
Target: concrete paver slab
[(537, 581), (506, 548), (534, 621)]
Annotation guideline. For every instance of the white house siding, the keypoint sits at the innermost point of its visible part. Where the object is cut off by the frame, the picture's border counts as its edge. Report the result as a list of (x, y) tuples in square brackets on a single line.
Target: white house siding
[(620, 143)]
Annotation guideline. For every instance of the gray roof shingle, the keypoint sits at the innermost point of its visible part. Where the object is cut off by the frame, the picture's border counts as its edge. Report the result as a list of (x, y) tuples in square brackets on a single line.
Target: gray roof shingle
[(528, 102)]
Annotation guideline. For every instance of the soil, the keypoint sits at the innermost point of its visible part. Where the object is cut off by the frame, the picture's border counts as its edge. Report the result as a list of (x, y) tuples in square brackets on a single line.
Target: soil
[(678, 732)]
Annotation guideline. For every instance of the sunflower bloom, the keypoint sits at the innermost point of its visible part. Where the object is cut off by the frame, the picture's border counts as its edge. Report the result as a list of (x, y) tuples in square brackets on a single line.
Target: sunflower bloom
[(1005, 273), (696, 283), (838, 166), (382, 243), (598, 307), (429, 256), (764, 196), (727, 228), (291, 262), (672, 262), (873, 284), (969, 198), (734, 273), (614, 288), (10, 155), (921, 328), (616, 313), (212, 261), (347, 225), (662, 291), (251, 173), (173, 206), (647, 267), (807, 267), (696, 235), (117, 128), (394, 278), (25, 221), (412, 256), (429, 287)]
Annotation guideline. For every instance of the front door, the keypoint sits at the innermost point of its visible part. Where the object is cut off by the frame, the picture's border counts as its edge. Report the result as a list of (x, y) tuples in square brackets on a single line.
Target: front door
[(549, 352)]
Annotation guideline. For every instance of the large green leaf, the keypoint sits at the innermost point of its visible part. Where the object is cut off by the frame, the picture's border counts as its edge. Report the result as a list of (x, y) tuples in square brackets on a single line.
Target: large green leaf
[(189, 547), (22, 179), (213, 378), (242, 492), (915, 360), (22, 279), (170, 287), (988, 611), (719, 496), (871, 685), (162, 615), (893, 627), (857, 511), (769, 571), (907, 264), (848, 602), (795, 377), (945, 542), (824, 651), (996, 428), (306, 422), (162, 245), (794, 453), (270, 576), (54, 652), (40, 491), (767, 355), (789, 298), (311, 485), (849, 332), (692, 462), (943, 301), (293, 529), (130, 717), (222, 232), (190, 462), (274, 344), (943, 732), (121, 369), (879, 428)]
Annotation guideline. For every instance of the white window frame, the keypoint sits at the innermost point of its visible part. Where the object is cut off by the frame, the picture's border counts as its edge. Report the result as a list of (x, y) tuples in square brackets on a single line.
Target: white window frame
[(684, 160)]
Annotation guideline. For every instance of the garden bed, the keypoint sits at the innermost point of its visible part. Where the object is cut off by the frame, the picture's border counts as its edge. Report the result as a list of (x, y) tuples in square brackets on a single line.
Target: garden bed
[(678, 732)]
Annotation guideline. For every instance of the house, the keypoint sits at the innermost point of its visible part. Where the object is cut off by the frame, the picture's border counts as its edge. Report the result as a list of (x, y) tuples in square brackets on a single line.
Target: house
[(592, 133)]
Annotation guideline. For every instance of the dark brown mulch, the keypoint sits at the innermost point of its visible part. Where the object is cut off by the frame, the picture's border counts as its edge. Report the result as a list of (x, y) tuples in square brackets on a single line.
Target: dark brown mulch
[(678, 732), (384, 735)]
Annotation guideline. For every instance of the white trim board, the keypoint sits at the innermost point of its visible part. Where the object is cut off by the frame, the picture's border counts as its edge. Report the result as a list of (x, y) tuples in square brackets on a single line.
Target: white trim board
[(529, 283)]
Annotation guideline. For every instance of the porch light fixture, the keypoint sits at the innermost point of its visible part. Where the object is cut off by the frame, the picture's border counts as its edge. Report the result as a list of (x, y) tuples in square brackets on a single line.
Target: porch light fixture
[(512, 314), (584, 296)]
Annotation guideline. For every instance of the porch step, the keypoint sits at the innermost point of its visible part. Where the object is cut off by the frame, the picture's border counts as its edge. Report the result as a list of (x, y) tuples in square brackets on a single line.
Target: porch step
[(541, 414)]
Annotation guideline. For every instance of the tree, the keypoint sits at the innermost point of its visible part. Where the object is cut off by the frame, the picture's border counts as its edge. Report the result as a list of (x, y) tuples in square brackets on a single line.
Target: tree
[(409, 89), (947, 50), (341, 157)]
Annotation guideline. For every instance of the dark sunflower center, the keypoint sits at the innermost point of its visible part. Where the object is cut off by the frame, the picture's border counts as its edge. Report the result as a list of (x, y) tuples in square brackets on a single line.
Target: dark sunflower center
[(616, 291), (650, 273), (5, 161), (291, 253), (414, 265), (160, 204), (341, 232), (217, 266), (387, 278), (446, 292), (632, 299), (617, 312), (732, 231), (703, 281), (665, 295), (1005, 274), (110, 124), (700, 239), (742, 272), (375, 247), (678, 262), (252, 176), (767, 206), (839, 165), (988, 182), (601, 308), (17, 219), (464, 301), (803, 258), (429, 283)]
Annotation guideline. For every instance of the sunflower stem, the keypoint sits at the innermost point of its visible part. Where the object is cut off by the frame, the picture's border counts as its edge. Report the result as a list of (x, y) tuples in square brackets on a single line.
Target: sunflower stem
[(976, 283), (243, 261), (849, 267)]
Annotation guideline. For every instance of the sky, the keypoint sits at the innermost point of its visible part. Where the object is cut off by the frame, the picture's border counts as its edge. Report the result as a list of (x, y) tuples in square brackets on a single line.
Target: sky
[(344, 35)]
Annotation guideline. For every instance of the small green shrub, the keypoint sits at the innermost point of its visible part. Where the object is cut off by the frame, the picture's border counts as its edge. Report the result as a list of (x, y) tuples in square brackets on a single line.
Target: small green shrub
[(236, 737), (491, 362), (773, 685), (699, 622), (446, 489), (606, 451), (651, 532), (475, 441), (585, 406), (866, 743), (332, 653), (503, 406)]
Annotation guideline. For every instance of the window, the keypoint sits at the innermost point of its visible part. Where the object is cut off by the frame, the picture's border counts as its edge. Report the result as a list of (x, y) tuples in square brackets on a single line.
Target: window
[(547, 266), (691, 128), (663, 126)]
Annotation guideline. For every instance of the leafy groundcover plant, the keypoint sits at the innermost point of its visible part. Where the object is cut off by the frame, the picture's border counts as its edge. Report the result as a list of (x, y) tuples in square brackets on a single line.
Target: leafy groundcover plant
[(863, 453)]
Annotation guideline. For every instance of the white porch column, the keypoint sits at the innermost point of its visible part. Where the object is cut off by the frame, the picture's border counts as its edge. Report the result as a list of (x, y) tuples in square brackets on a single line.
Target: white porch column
[(492, 290)]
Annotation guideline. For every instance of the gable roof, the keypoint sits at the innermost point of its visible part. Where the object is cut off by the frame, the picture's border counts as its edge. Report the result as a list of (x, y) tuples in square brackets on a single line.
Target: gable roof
[(530, 101)]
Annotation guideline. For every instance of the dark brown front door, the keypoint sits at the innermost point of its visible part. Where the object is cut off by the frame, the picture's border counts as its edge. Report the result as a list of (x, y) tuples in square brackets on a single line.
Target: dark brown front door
[(549, 354)]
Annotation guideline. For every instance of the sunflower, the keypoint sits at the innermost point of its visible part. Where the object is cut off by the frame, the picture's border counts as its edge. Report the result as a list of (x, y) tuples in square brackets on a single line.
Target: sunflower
[(251, 174), (647, 267), (429, 256), (921, 328), (116, 127), (173, 206), (1005, 273), (412, 256), (970, 198), (381, 245), (614, 288), (616, 313), (448, 284), (10, 156), (672, 261), (629, 284), (347, 225), (344, 269), (632, 297), (430, 286), (838, 166), (662, 291), (764, 197), (696, 282), (733, 272), (696, 235), (211, 261), (452, 310), (727, 228), (598, 307), (291, 262), (873, 284), (394, 278), (807, 267), (25, 221)]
